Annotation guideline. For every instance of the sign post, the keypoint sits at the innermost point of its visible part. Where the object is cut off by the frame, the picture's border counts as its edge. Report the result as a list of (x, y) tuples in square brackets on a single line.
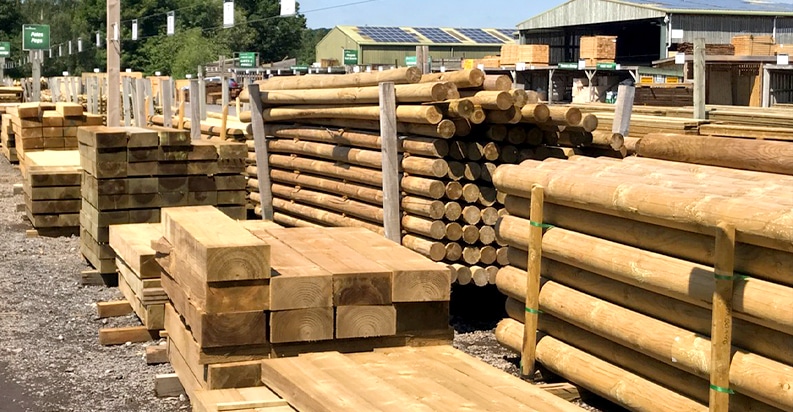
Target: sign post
[(35, 37), (5, 51)]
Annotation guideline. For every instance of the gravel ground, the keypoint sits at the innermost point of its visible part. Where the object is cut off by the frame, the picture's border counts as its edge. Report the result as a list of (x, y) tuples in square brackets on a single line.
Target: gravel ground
[(50, 357)]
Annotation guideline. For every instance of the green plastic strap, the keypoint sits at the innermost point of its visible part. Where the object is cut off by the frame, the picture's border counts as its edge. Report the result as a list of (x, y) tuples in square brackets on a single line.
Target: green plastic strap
[(722, 390), (533, 311), (734, 277), (542, 225)]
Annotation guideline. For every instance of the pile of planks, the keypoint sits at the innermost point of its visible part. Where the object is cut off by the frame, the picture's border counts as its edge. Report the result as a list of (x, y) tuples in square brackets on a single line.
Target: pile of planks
[(211, 128), (711, 49), (629, 290), (11, 94), (525, 53), (243, 291), (130, 173), (673, 95), (753, 45), (325, 160), (8, 145), (51, 187), (644, 124), (44, 126), (598, 49), (138, 272)]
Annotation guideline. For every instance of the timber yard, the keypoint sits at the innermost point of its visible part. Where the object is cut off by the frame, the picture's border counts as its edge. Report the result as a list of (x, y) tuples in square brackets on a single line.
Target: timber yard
[(589, 209)]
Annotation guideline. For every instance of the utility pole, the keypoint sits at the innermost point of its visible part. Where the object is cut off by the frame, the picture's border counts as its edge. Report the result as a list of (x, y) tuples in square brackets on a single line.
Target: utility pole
[(113, 45)]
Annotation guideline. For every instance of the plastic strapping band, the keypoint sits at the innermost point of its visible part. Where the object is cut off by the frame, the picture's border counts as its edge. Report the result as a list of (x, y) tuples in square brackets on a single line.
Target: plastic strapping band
[(542, 225), (722, 390), (728, 277), (533, 311)]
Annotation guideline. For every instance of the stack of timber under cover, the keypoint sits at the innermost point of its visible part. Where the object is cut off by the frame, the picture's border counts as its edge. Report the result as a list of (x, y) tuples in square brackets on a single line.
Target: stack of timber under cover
[(343, 289), (628, 284), (211, 128), (43, 126), (51, 187), (130, 173), (455, 127)]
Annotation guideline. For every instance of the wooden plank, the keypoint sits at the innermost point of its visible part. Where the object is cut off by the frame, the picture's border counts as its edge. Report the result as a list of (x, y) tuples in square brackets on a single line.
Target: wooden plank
[(301, 325), (188, 380), (242, 399), (262, 157), (120, 336), (234, 374), (532, 308), (132, 243), (365, 321), (356, 279), (390, 163), (156, 354), (217, 247), (113, 309), (168, 385), (721, 323)]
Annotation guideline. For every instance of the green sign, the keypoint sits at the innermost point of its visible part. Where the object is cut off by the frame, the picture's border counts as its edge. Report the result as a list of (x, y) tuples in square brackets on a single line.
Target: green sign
[(350, 57), (5, 49), (567, 66), (606, 66), (35, 37), (299, 68), (247, 60), (410, 61)]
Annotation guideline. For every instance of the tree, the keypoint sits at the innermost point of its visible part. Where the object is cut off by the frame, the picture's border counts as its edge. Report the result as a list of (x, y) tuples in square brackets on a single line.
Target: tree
[(308, 50), (275, 38)]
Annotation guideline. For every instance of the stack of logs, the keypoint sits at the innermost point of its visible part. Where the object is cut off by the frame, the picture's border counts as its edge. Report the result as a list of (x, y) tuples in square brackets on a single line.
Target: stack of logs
[(628, 282), (456, 127)]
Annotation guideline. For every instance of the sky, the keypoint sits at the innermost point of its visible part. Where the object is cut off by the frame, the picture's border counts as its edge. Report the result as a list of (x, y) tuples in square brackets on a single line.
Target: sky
[(422, 13)]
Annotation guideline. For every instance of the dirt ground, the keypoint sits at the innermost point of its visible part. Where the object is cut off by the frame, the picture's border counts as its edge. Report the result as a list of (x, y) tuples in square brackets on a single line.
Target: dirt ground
[(50, 357)]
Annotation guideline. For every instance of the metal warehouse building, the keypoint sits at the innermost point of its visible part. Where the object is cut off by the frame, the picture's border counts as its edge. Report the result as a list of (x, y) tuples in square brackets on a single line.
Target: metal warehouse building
[(648, 29), (390, 45)]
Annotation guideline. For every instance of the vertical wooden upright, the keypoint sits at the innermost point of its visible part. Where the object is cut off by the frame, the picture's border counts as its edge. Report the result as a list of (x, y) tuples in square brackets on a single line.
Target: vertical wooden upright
[(124, 102), (388, 138), (262, 157), (35, 63), (721, 324), (149, 97), (623, 109), (113, 42), (201, 101), (423, 59), (140, 103), (532, 307), (699, 79), (195, 110), (166, 90)]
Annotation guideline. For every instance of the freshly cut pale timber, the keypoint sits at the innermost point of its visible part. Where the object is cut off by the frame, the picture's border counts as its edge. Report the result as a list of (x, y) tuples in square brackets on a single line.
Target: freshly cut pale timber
[(631, 143), (463, 273), (452, 211), (472, 255), (405, 114), (608, 139), (433, 229), (596, 374), (370, 140), (365, 321), (470, 192), (470, 234), (498, 82), (520, 96), (535, 113), (319, 215), (479, 276), (132, 243), (412, 164), (287, 220), (456, 108), (396, 76), (301, 325), (433, 209), (487, 235), (490, 100), (238, 399), (472, 215), (488, 255), (445, 129), (405, 93), (762, 263), (415, 279), (764, 156), (453, 251), (429, 248), (766, 226), (761, 303), (300, 283), (478, 116), (453, 190), (454, 231), (331, 202), (468, 78), (565, 116), (216, 246)]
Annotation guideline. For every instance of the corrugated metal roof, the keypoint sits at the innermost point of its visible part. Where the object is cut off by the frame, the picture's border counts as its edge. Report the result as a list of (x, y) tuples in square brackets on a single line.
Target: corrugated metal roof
[(580, 12), (430, 36)]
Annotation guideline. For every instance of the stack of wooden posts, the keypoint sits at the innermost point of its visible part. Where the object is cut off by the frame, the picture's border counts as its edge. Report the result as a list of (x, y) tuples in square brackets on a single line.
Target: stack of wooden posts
[(753, 45), (598, 49), (8, 144), (211, 128), (11, 94), (41, 126), (138, 272), (457, 126), (130, 173), (628, 285), (525, 53), (333, 288), (51, 186)]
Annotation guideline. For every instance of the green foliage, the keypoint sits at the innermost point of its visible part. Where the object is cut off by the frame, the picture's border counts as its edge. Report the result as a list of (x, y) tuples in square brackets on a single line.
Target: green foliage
[(308, 51), (199, 37)]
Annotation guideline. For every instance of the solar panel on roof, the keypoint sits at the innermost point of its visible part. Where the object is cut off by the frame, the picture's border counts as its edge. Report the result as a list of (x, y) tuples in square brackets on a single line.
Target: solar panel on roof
[(736, 5), (480, 36), (507, 32), (436, 35), (388, 34)]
